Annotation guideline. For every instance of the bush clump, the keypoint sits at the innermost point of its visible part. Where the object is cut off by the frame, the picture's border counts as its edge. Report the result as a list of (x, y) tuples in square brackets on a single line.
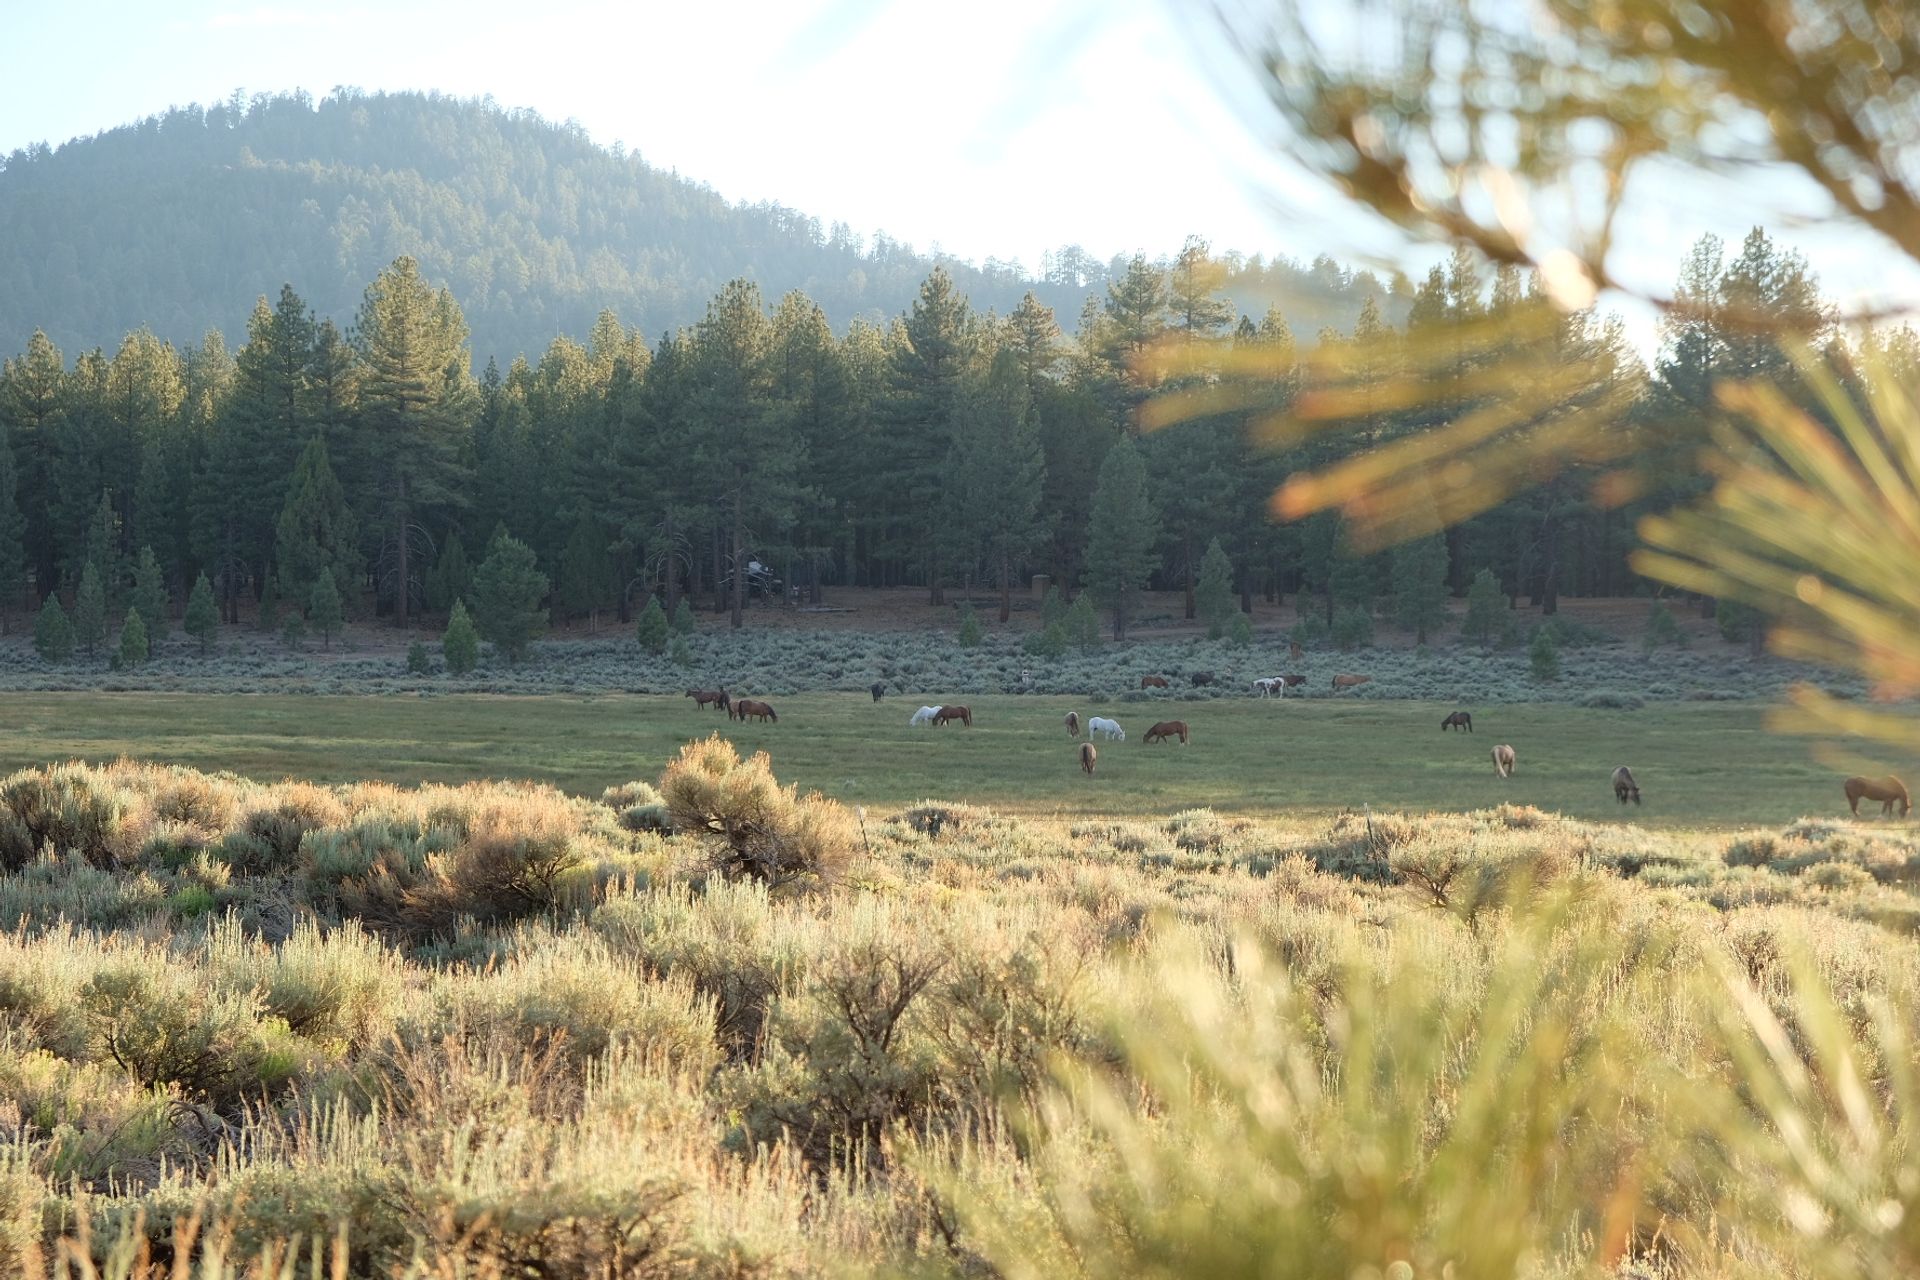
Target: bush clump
[(757, 828)]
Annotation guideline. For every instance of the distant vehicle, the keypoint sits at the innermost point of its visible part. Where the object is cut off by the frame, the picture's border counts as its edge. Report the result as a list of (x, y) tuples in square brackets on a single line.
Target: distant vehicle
[(760, 581)]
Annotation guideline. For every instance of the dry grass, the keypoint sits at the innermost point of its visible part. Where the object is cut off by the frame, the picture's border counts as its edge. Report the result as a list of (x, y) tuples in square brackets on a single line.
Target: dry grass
[(492, 1030)]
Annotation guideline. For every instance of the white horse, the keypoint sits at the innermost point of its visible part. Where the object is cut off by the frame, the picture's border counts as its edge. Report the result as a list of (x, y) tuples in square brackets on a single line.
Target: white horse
[(924, 715), (1106, 728)]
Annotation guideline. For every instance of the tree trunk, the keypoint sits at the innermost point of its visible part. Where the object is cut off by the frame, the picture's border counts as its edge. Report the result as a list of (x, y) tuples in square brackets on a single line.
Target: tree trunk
[(719, 594), (739, 592), (1550, 568), (1006, 586), (672, 588), (1186, 558), (400, 582)]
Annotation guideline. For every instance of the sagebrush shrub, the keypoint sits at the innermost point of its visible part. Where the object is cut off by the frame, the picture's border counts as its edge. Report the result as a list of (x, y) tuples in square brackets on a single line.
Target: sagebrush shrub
[(755, 827)]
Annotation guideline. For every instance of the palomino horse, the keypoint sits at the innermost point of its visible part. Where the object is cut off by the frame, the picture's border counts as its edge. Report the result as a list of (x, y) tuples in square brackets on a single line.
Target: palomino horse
[(1167, 729), (1106, 728), (1349, 682), (1888, 791), (1624, 787), (1087, 757), (961, 714), (924, 715), (703, 698), (745, 707), (1503, 760), (1073, 724), (1153, 682), (1458, 720)]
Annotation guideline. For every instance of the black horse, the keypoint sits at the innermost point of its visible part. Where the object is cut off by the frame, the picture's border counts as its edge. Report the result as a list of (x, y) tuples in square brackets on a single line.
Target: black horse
[(1458, 720)]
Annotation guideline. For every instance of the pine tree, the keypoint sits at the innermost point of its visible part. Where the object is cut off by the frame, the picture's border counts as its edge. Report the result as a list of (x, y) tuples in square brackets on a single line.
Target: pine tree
[(1484, 603), (150, 594), (293, 632), (1053, 608), (683, 618), (969, 627), (1419, 586), (133, 640), (1544, 656), (452, 574), (1214, 595), (13, 528), (415, 407), (507, 590), (1082, 625), (203, 615), (652, 629), (316, 531), (586, 571), (269, 618), (1662, 629), (1122, 535), (418, 664), (743, 437), (90, 610), (103, 548), (324, 609), (460, 646), (52, 633), (1000, 469)]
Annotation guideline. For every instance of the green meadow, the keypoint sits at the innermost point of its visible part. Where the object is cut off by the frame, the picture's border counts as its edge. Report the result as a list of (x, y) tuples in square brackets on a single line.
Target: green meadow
[(1698, 764)]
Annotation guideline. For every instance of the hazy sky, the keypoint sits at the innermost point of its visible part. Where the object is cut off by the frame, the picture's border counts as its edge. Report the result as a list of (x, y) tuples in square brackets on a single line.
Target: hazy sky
[(998, 128)]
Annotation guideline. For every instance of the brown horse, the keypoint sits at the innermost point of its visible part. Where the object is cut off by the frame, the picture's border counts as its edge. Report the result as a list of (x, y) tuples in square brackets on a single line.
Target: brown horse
[(1153, 682), (744, 707), (1458, 720), (1293, 650), (1087, 757), (1624, 787), (1167, 729), (703, 698), (1888, 790), (1073, 724), (1349, 682), (1201, 677), (1503, 760), (961, 714), (1294, 681)]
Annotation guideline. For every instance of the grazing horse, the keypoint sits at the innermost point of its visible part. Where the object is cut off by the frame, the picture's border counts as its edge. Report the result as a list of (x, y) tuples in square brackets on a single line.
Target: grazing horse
[(1202, 677), (1153, 682), (702, 698), (877, 688), (1294, 681), (1503, 760), (924, 715), (1624, 787), (1349, 682), (1087, 757), (744, 707), (961, 714), (1458, 720), (1267, 686), (1073, 724), (1106, 728), (1167, 729), (1888, 790)]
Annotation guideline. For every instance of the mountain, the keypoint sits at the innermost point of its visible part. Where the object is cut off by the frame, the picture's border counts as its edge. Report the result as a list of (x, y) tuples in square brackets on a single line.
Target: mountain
[(179, 221)]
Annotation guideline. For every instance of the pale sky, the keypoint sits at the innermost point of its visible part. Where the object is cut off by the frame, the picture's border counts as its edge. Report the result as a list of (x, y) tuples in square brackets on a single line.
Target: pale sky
[(1000, 128)]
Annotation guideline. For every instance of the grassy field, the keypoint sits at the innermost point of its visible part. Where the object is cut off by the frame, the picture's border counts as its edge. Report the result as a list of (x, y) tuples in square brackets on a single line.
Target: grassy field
[(1699, 764)]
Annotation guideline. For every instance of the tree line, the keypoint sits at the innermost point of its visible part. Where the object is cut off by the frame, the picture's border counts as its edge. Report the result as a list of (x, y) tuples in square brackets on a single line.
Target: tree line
[(950, 449)]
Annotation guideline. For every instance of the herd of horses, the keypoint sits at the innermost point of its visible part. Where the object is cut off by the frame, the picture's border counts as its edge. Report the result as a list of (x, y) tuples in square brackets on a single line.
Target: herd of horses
[(1889, 791)]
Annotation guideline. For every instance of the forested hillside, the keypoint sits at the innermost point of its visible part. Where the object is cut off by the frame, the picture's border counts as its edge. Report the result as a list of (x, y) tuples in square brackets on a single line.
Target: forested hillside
[(327, 468), (180, 221)]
